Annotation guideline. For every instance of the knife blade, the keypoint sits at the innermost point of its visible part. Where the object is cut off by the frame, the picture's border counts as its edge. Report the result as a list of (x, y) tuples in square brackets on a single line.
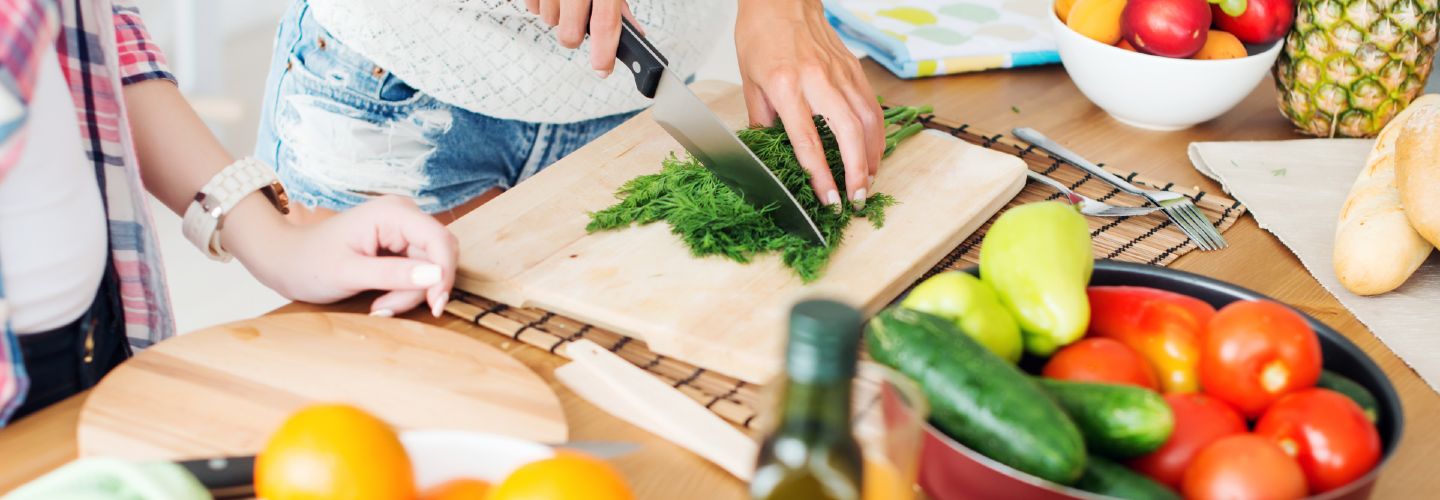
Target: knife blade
[(232, 477), (686, 118), (600, 449)]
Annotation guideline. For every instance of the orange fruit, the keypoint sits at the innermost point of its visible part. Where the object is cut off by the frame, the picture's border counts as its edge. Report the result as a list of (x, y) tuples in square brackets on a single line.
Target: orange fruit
[(1125, 44), (458, 489), (333, 452), (1221, 45), (1097, 19), (566, 476), (1062, 9)]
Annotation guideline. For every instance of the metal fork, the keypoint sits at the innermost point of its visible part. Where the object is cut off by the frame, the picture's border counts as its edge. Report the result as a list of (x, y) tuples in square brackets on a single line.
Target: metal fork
[(1178, 207), (1087, 205)]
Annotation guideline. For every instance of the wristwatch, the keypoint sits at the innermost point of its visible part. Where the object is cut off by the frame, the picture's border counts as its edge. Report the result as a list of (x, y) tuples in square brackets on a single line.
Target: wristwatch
[(206, 214)]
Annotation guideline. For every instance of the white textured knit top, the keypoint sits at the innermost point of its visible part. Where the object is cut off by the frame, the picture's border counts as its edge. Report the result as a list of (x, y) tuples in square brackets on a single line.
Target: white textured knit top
[(495, 58)]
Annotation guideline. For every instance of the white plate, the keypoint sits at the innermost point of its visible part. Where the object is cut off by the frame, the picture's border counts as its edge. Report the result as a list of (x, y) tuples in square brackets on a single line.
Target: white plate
[(440, 456)]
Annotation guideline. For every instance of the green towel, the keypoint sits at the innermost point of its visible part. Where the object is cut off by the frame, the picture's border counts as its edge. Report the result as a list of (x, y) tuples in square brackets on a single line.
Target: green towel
[(113, 479)]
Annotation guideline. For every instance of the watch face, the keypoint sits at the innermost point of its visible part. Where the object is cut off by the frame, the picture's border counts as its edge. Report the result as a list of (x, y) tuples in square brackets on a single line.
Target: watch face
[(278, 197)]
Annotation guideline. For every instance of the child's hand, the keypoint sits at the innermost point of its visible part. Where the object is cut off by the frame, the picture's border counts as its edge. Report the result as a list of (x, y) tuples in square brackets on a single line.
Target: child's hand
[(575, 18), (385, 244)]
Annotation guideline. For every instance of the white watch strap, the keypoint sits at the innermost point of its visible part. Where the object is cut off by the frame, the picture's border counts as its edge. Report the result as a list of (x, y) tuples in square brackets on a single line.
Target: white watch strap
[(204, 215)]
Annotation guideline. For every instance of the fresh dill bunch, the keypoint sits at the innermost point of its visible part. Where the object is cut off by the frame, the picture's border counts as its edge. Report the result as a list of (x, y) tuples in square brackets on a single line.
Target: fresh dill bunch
[(712, 220)]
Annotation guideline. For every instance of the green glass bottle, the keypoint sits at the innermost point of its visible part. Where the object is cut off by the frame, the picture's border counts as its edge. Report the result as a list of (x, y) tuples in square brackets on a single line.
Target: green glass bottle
[(812, 452)]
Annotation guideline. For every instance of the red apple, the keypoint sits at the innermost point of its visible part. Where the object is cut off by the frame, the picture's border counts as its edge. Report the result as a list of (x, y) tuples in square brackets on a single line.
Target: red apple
[(1169, 28), (1262, 22)]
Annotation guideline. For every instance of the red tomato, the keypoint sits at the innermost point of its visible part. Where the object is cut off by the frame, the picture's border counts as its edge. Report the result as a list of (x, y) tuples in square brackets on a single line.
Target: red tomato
[(1326, 432), (1244, 467), (1199, 421), (1255, 351), (1101, 360)]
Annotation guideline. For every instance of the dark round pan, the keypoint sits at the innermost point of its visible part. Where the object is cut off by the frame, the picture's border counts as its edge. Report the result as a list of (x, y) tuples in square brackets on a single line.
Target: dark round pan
[(949, 470)]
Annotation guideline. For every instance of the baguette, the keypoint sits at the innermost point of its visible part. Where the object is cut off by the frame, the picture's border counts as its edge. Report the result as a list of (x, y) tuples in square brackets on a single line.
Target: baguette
[(1376, 249), (1417, 171)]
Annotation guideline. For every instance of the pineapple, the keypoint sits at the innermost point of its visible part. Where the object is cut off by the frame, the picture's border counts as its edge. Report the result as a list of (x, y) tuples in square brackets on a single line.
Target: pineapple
[(1349, 66)]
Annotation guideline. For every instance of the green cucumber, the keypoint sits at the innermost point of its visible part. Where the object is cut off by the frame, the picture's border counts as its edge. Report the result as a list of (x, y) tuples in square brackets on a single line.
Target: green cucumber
[(1353, 390), (1118, 421), (1114, 480), (977, 398)]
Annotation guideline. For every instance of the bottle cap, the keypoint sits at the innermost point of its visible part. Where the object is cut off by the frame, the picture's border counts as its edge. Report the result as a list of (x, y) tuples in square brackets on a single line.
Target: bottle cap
[(824, 341)]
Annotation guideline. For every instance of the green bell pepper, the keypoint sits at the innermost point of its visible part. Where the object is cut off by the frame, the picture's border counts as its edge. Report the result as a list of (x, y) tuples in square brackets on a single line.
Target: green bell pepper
[(973, 307), (1038, 259)]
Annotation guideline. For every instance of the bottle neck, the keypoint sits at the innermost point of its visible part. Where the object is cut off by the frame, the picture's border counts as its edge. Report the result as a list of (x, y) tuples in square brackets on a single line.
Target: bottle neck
[(815, 410)]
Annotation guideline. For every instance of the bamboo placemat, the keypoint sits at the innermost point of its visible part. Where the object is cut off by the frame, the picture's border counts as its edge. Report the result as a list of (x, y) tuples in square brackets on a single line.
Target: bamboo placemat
[(1151, 239)]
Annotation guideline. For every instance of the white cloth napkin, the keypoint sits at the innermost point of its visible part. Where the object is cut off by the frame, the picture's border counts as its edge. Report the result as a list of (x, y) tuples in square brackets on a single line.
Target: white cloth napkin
[(1295, 190)]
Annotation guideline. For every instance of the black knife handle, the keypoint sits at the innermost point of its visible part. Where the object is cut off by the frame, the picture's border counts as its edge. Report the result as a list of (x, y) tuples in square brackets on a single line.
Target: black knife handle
[(228, 477), (640, 58)]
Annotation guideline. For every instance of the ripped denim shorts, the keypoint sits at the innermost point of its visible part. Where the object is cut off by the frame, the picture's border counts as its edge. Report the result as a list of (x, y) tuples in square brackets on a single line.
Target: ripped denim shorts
[(340, 130)]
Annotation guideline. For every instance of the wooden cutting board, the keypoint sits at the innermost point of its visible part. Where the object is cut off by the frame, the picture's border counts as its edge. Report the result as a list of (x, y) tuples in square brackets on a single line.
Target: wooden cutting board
[(528, 247), (223, 390)]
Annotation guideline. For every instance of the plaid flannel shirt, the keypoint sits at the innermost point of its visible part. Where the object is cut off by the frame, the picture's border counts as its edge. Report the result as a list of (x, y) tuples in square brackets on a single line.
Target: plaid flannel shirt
[(101, 45)]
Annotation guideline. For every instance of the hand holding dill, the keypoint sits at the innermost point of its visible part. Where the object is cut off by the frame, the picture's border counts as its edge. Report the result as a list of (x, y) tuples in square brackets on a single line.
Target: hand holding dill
[(712, 220)]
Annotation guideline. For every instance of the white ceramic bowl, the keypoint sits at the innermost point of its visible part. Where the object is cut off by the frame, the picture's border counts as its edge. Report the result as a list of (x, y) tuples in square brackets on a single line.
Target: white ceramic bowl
[(1159, 93), (440, 456)]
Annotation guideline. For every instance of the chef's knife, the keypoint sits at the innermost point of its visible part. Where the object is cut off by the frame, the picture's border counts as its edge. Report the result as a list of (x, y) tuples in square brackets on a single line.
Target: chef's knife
[(225, 478), (231, 477), (686, 118)]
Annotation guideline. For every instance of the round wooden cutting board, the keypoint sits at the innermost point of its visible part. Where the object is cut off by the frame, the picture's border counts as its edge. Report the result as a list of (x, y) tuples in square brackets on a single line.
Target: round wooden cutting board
[(222, 391)]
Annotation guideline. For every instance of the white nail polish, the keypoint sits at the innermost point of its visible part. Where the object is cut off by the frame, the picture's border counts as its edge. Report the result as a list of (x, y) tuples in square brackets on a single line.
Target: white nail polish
[(870, 181), (602, 74), (439, 307), (832, 198), (859, 199), (425, 275), (383, 313)]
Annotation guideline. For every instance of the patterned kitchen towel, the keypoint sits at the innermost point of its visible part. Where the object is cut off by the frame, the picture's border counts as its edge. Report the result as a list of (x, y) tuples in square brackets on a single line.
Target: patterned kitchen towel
[(916, 38)]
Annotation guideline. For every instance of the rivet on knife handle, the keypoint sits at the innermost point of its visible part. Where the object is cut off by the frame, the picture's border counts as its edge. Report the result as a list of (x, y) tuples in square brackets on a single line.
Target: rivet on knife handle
[(640, 58)]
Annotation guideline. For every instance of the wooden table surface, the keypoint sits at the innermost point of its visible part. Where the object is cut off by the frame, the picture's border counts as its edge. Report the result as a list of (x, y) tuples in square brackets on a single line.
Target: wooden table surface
[(994, 102)]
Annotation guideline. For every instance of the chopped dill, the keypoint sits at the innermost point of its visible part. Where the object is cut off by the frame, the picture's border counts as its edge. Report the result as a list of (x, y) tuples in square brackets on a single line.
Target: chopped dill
[(712, 220)]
